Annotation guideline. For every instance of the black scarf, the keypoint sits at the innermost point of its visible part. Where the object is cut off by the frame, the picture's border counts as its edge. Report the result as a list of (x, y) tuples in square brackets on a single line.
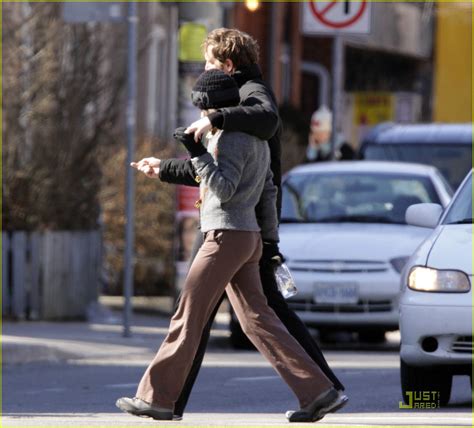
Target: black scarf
[(249, 72)]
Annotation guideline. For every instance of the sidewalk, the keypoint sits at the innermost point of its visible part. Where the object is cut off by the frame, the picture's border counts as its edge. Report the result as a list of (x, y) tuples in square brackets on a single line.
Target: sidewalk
[(26, 342), (156, 305)]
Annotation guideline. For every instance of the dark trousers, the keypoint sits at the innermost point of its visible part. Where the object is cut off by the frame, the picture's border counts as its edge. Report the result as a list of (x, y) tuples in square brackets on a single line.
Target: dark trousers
[(287, 316)]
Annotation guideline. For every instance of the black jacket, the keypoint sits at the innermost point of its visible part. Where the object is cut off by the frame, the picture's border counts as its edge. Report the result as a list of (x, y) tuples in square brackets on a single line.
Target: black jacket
[(257, 115)]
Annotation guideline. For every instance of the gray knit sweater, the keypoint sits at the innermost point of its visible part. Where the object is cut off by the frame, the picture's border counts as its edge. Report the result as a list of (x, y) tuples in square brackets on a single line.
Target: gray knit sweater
[(236, 176)]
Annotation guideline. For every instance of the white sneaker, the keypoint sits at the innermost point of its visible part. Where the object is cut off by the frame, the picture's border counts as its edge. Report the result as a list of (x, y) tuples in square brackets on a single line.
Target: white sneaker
[(138, 407)]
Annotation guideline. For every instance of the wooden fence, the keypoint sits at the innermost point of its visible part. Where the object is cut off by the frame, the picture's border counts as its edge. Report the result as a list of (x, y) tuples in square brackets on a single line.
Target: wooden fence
[(50, 275)]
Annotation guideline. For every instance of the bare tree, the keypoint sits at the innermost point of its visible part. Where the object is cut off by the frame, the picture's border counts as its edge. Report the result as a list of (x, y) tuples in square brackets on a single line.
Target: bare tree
[(61, 95), (64, 141)]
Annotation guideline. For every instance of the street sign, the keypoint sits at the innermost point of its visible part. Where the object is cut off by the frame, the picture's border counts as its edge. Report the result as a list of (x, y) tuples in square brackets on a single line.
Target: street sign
[(93, 12), (336, 17)]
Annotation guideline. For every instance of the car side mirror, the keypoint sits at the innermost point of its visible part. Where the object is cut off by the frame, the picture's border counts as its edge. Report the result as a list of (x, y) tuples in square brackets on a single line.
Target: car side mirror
[(423, 215)]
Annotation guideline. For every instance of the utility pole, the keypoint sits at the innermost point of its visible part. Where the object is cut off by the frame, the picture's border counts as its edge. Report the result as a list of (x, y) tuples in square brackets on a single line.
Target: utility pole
[(130, 191), (112, 12)]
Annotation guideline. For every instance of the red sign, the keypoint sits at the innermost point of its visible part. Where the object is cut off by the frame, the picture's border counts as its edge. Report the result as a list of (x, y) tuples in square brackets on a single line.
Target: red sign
[(187, 197), (320, 11)]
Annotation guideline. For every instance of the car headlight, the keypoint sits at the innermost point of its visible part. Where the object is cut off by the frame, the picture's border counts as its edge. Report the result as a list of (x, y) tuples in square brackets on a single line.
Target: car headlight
[(399, 263), (447, 281)]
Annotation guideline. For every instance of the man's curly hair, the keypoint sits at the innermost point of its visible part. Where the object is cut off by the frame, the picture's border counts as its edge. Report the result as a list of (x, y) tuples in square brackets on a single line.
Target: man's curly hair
[(239, 47)]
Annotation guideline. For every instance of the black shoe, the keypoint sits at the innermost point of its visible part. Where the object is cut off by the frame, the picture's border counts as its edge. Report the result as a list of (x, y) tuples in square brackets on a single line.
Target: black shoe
[(330, 402), (138, 407)]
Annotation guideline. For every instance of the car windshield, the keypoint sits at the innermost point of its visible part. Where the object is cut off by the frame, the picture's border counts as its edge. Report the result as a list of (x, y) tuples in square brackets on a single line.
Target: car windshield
[(353, 197), (461, 209), (453, 160)]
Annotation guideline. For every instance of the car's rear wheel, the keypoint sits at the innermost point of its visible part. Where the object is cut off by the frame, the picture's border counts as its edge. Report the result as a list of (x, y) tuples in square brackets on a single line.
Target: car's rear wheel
[(417, 380), (372, 336)]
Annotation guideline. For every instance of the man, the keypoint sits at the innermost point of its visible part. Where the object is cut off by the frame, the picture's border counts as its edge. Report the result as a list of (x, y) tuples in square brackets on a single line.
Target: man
[(236, 53), (319, 139)]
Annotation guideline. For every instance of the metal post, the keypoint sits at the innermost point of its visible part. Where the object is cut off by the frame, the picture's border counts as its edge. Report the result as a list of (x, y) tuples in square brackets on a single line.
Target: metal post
[(131, 126), (337, 87), (324, 78), (173, 71)]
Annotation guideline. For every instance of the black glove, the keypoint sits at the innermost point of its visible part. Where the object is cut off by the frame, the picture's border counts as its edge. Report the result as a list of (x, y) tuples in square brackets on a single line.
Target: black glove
[(271, 254), (193, 148)]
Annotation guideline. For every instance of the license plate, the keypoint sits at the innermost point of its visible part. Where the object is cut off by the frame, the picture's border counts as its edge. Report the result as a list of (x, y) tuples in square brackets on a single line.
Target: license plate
[(336, 293)]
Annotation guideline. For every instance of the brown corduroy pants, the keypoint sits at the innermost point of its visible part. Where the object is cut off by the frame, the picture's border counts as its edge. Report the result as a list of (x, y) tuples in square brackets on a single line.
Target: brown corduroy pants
[(229, 259)]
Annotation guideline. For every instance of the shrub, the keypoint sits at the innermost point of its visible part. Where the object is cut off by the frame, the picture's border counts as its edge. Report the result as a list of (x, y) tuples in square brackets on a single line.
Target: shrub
[(154, 223)]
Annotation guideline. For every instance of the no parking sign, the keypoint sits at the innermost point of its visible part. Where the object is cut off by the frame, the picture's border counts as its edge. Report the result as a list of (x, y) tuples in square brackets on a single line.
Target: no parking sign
[(336, 16)]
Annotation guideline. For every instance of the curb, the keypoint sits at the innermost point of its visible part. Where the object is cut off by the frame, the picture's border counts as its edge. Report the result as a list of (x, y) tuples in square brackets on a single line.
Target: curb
[(19, 353)]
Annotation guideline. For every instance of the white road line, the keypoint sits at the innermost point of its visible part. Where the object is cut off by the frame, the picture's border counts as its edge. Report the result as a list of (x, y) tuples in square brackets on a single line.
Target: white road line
[(242, 419), (253, 378), (121, 385)]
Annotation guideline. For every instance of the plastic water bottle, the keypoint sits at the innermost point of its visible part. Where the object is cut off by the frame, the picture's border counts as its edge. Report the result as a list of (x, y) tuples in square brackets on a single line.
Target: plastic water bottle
[(285, 282)]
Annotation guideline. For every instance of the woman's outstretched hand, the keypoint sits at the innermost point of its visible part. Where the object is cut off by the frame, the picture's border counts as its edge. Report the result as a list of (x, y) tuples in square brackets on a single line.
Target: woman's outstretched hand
[(149, 166)]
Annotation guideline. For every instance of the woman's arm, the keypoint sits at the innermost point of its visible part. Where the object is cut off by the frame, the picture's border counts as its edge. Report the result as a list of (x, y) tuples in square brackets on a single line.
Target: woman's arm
[(222, 175), (178, 171)]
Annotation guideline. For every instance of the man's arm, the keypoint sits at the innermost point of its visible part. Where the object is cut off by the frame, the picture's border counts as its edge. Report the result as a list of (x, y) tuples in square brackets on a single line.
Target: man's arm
[(178, 171), (256, 115)]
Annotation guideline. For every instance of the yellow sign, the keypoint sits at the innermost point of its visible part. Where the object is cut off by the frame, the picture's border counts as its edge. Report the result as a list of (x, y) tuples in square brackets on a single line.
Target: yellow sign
[(372, 108), (191, 37), (452, 98)]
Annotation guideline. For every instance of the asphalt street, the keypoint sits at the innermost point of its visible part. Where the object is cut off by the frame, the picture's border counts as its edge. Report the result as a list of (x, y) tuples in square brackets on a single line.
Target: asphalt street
[(234, 387)]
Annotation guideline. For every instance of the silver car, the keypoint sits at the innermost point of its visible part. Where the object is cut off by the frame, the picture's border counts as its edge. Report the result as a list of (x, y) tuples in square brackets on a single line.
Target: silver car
[(345, 239), (436, 300)]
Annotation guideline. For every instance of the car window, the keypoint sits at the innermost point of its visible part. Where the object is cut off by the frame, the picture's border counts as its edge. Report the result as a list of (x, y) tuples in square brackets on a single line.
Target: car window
[(461, 208), (354, 197), (453, 160)]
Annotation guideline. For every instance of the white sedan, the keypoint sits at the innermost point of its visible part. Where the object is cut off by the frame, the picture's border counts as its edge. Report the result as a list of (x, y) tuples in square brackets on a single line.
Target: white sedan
[(345, 239), (436, 300)]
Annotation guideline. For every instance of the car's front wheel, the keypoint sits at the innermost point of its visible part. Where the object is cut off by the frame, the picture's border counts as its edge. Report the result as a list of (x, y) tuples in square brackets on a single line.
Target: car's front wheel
[(416, 380)]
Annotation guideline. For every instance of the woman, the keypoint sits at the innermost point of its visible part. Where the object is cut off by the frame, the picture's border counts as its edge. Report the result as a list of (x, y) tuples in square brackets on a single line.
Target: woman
[(234, 172)]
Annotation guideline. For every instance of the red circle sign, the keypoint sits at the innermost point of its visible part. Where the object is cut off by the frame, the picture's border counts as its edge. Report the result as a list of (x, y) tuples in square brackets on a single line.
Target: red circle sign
[(321, 14)]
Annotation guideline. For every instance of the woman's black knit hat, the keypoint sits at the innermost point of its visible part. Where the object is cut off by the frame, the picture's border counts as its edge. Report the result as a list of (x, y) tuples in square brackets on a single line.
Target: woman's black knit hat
[(215, 89)]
